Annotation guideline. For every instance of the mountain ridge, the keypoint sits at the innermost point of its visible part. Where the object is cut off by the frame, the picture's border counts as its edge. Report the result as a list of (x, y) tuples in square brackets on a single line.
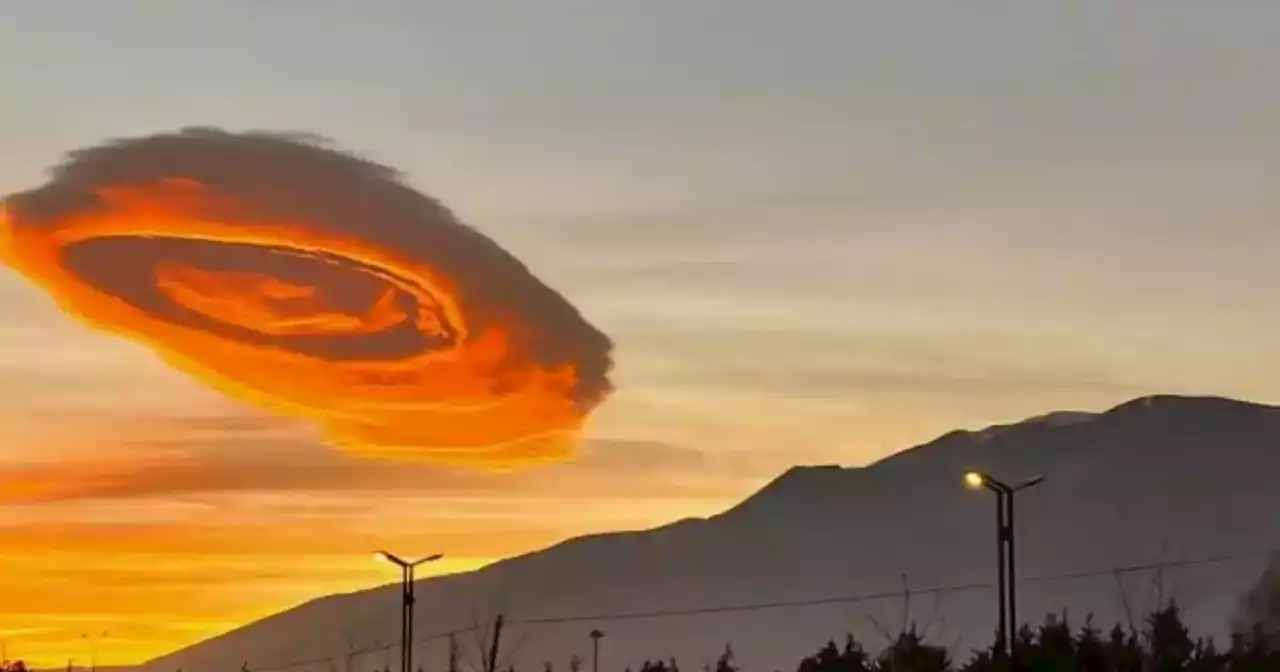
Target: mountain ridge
[(1102, 469), (1160, 403)]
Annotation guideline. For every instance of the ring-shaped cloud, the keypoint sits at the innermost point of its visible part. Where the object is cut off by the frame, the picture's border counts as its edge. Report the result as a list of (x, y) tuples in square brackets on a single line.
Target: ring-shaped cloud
[(318, 285)]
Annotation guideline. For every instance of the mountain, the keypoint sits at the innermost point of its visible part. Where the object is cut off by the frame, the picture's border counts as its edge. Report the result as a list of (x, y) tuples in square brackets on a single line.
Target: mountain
[(1156, 480)]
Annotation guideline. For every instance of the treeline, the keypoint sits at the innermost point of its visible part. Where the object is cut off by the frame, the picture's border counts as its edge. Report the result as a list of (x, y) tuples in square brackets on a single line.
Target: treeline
[(1161, 644)]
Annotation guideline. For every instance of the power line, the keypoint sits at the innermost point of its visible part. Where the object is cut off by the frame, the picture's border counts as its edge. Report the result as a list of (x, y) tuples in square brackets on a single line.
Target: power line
[(870, 597), (758, 606), (783, 604), (1128, 569), (356, 652)]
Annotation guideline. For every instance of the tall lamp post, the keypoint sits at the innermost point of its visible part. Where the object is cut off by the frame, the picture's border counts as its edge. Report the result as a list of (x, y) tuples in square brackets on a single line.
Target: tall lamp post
[(406, 604), (93, 650), (1006, 573), (595, 650)]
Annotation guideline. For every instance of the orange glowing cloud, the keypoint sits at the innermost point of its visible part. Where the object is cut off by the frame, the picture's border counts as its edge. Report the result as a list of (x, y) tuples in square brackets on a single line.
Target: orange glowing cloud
[(315, 284)]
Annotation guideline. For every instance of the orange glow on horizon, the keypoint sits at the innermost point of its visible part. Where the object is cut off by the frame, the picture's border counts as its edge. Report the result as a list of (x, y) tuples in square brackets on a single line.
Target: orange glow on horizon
[(157, 587), (163, 551), (484, 399), (153, 602)]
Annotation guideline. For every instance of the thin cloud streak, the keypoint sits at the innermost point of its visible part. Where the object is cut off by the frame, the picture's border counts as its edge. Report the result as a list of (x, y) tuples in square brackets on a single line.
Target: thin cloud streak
[(191, 467)]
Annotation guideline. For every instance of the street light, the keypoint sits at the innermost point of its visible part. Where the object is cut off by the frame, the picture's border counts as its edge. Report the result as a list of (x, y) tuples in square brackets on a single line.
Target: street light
[(406, 604), (93, 650), (1006, 574), (595, 650)]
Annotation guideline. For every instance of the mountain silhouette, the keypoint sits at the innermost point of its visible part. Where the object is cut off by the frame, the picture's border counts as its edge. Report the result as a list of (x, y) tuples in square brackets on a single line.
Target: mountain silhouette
[(1189, 481)]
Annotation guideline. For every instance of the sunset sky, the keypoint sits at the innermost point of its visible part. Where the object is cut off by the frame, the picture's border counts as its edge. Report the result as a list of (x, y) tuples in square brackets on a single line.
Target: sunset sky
[(818, 232)]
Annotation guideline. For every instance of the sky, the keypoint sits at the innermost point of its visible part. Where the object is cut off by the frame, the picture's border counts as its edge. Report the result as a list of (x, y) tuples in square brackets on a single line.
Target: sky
[(817, 232)]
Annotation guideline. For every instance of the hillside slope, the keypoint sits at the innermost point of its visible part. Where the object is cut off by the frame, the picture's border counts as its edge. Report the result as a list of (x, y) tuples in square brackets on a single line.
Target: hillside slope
[(1157, 479)]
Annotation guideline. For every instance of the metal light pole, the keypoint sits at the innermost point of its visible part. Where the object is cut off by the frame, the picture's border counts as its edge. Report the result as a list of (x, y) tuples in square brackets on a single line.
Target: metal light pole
[(595, 650), (93, 650), (93, 653), (1006, 572), (406, 605)]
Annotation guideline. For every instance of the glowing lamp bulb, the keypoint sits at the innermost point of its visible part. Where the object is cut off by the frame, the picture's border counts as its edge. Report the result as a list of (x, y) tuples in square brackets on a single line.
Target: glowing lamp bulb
[(974, 480)]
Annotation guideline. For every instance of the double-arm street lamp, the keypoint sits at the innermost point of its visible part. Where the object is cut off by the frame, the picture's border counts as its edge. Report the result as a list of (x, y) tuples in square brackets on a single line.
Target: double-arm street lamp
[(406, 604), (1006, 574)]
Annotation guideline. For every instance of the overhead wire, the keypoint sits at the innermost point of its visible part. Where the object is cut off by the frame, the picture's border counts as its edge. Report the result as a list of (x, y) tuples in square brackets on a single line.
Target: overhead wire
[(783, 604)]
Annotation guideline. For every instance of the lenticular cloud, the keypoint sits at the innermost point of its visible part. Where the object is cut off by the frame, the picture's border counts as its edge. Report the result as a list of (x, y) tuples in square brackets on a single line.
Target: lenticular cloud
[(316, 284)]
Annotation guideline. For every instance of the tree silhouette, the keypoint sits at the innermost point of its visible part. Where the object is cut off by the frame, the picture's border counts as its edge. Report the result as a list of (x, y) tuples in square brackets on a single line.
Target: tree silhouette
[(1259, 615), (909, 653), (1091, 651), (1162, 645), (725, 662), (1168, 640), (851, 658), (668, 665)]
